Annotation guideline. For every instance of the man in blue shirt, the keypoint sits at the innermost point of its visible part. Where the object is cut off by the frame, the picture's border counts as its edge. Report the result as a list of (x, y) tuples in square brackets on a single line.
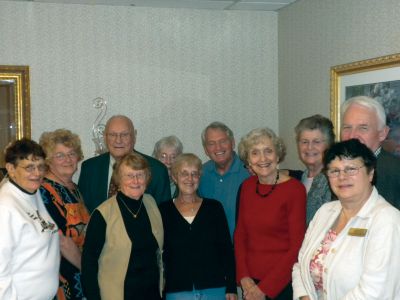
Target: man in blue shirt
[(224, 172)]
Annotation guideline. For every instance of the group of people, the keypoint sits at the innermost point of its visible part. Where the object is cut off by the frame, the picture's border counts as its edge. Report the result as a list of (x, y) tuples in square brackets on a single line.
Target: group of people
[(170, 227)]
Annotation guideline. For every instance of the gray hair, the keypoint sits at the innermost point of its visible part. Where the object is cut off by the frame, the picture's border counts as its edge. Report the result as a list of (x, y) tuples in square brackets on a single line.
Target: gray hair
[(254, 137), (168, 141), (316, 122), (369, 103), (217, 125)]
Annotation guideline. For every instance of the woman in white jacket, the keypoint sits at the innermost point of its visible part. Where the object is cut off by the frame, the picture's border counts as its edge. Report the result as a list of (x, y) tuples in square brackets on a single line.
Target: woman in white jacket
[(350, 250)]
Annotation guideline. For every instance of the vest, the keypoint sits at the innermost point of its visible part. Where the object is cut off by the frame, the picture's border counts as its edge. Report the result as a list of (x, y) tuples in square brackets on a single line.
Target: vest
[(114, 258)]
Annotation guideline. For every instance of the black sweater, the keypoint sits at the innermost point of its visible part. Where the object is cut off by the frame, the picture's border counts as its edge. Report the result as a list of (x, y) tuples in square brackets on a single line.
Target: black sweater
[(200, 254)]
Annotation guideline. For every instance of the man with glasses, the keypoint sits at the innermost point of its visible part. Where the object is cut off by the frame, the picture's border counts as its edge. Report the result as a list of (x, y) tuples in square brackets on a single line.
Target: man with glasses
[(95, 179), (364, 118), (224, 172)]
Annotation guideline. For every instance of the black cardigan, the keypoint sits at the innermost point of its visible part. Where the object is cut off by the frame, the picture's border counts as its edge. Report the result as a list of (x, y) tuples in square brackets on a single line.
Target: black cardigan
[(200, 254)]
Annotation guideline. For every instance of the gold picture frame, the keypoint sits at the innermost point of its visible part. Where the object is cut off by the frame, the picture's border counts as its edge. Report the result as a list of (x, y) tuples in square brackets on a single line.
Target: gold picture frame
[(15, 115), (362, 74)]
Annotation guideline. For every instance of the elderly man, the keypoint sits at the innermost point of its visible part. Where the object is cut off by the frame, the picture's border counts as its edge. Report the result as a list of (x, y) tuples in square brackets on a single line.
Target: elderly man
[(95, 179), (224, 172), (364, 118)]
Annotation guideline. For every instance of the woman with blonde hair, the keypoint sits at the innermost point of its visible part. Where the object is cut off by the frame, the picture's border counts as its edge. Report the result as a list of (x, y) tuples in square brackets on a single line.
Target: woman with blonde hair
[(64, 202)]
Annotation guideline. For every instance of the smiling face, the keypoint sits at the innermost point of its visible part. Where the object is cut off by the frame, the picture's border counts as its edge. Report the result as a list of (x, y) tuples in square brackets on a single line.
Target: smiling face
[(311, 147), (350, 189), (219, 147), (167, 156), (187, 179), (120, 137), (27, 173), (263, 160), (63, 161), (132, 183), (361, 123)]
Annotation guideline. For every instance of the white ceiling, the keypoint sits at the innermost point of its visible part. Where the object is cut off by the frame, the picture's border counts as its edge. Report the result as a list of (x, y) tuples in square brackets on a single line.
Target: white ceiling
[(261, 5)]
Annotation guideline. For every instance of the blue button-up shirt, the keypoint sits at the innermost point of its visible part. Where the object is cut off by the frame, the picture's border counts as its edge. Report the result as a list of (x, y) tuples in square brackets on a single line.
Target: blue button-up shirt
[(224, 188)]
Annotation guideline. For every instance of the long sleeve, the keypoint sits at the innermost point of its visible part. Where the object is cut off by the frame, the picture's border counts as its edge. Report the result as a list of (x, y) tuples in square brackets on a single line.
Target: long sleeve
[(94, 242), (380, 275), (8, 239), (269, 234), (296, 211), (225, 249)]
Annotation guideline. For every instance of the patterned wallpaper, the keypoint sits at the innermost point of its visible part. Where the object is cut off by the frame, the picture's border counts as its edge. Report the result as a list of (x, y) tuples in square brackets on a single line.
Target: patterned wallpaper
[(315, 35), (172, 70)]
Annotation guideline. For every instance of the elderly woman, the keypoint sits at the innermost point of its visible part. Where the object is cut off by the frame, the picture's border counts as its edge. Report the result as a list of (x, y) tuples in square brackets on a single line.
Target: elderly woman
[(122, 252), (198, 254), (29, 243), (351, 247), (271, 219), (65, 205), (167, 150), (314, 135)]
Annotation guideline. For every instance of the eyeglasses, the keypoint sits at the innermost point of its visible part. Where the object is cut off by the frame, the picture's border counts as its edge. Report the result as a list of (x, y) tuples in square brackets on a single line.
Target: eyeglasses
[(349, 171), (63, 156), (131, 176), (186, 175), (312, 143), (165, 156), (122, 135), (31, 168)]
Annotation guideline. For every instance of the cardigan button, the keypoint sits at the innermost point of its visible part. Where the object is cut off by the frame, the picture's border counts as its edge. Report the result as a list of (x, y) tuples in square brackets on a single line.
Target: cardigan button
[(333, 250)]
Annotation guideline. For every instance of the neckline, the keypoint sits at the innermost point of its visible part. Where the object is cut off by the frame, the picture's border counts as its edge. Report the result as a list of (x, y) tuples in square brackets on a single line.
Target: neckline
[(272, 188)]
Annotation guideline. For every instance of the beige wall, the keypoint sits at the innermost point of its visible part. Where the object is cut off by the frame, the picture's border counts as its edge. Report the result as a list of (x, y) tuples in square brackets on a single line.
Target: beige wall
[(172, 70), (317, 34)]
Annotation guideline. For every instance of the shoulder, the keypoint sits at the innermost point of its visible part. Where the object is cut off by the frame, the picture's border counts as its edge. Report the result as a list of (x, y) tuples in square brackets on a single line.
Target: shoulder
[(96, 160), (166, 206), (293, 184), (211, 203), (388, 159)]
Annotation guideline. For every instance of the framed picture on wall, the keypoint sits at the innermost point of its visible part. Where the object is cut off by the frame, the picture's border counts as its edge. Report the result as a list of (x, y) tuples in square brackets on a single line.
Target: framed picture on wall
[(378, 78)]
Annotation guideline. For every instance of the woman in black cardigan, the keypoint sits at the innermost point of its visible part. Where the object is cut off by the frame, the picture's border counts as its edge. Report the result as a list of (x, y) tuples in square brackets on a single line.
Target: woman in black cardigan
[(198, 253)]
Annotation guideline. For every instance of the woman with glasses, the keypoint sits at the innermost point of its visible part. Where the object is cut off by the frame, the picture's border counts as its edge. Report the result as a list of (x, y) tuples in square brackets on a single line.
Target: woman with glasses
[(198, 254), (313, 136), (64, 202), (122, 252), (167, 150), (29, 243), (350, 250)]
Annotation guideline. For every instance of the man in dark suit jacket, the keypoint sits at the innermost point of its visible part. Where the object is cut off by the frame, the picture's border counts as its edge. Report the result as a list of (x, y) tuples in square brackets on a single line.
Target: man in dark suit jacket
[(364, 118), (120, 138)]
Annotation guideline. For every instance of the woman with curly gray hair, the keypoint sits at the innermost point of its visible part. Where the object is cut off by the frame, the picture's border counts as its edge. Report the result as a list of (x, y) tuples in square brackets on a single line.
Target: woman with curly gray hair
[(271, 219)]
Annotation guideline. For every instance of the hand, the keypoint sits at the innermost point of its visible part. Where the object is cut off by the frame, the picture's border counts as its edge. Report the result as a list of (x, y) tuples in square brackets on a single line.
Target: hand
[(69, 250), (247, 283), (254, 293), (230, 296)]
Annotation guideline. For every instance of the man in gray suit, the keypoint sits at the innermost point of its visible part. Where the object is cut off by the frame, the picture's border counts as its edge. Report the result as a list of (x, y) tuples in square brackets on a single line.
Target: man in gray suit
[(364, 118)]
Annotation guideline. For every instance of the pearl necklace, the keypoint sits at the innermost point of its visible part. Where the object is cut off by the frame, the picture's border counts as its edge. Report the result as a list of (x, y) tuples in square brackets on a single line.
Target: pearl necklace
[(272, 188)]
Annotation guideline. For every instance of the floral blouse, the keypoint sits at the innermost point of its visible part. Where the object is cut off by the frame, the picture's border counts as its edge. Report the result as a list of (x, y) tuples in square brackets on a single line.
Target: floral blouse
[(317, 262)]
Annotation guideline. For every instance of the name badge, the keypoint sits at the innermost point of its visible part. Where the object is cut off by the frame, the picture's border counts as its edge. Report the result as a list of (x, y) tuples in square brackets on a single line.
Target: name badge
[(357, 231)]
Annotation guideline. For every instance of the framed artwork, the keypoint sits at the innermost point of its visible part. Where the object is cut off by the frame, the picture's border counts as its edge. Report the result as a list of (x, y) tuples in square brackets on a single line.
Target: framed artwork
[(15, 120), (378, 78)]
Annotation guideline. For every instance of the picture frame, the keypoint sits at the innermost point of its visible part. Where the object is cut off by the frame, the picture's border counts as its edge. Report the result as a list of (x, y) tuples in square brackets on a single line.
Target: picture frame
[(15, 114), (378, 78)]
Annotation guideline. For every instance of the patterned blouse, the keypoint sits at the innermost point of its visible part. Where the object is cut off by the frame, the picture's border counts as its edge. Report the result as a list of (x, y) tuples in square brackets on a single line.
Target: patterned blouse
[(317, 262), (68, 211)]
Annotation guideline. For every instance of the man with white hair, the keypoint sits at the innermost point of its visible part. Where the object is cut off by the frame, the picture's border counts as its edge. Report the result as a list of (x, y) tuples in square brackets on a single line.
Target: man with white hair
[(364, 118)]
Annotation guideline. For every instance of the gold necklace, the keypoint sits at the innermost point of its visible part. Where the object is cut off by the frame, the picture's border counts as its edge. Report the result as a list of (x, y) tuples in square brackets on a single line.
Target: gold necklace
[(126, 206)]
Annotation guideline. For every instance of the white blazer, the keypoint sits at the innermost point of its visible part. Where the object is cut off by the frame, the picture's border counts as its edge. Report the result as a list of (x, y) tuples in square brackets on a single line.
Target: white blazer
[(363, 267)]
